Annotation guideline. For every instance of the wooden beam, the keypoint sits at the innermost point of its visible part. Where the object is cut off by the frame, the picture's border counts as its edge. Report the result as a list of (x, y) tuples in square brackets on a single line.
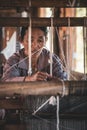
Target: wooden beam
[(13, 22), (59, 22), (42, 3), (30, 88), (44, 88)]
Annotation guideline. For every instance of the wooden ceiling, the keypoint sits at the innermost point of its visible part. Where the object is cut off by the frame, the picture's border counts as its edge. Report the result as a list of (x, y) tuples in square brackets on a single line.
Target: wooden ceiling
[(10, 12), (42, 3)]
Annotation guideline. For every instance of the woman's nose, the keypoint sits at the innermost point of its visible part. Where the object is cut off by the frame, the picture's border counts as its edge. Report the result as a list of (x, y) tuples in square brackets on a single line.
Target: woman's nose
[(34, 44)]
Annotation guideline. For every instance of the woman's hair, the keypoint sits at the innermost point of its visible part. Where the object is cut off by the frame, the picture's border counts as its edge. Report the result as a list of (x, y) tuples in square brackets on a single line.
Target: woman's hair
[(23, 32), (24, 29), (44, 29)]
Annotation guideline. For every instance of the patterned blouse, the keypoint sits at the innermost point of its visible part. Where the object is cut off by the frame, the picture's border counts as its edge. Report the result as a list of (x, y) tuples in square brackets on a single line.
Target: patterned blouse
[(17, 66)]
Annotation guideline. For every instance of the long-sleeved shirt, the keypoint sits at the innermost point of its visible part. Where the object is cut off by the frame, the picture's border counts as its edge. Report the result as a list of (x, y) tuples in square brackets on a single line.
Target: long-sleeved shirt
[(17, 66)]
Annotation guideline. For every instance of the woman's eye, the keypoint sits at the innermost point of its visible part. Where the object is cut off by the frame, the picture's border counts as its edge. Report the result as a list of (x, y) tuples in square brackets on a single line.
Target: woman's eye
[(40, 41)]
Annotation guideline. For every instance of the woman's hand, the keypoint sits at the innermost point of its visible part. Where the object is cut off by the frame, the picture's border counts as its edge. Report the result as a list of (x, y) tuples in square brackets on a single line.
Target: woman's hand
[(39, 76)]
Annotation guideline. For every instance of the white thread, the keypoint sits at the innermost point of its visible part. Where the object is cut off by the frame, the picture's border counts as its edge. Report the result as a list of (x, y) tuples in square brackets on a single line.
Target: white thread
[(29, 3), (22, 60), (57, 113), (68, 49), (24, 14), (40, 107), (29, 42), (51, 47)]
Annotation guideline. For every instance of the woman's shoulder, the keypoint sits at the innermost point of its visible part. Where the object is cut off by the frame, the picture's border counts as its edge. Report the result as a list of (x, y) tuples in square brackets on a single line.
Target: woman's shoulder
[(45, 51), (14, 58)]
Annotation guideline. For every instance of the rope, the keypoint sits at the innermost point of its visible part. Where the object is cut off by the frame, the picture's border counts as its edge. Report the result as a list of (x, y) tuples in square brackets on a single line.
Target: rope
[(29, 42)]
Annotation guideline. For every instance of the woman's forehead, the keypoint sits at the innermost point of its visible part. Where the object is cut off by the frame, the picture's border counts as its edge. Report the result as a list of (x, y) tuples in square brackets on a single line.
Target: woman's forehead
[(37, 32)]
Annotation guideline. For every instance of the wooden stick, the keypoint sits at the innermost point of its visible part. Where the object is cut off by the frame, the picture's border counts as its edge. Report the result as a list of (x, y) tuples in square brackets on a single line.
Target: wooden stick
[(44, 88)]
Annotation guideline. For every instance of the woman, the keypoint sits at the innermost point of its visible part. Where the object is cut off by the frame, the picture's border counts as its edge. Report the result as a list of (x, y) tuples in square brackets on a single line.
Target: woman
[(16, 68)]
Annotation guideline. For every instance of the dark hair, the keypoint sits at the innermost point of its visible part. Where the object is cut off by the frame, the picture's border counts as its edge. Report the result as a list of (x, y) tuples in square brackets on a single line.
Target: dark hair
[(44, 29), (23, 31)]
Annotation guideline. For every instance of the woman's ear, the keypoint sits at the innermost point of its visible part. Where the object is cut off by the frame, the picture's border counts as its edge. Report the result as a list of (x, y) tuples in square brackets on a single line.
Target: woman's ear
[(46, 39)]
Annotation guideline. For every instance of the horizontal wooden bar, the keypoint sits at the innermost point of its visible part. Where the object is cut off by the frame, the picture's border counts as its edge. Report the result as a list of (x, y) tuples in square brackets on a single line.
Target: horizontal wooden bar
[(13, 22), (42, 3), (59, 22), (30, 88), (44, 88)]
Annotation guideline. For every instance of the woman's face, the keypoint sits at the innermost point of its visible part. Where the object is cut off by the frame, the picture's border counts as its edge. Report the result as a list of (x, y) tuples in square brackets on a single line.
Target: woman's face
[(38, 40)]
